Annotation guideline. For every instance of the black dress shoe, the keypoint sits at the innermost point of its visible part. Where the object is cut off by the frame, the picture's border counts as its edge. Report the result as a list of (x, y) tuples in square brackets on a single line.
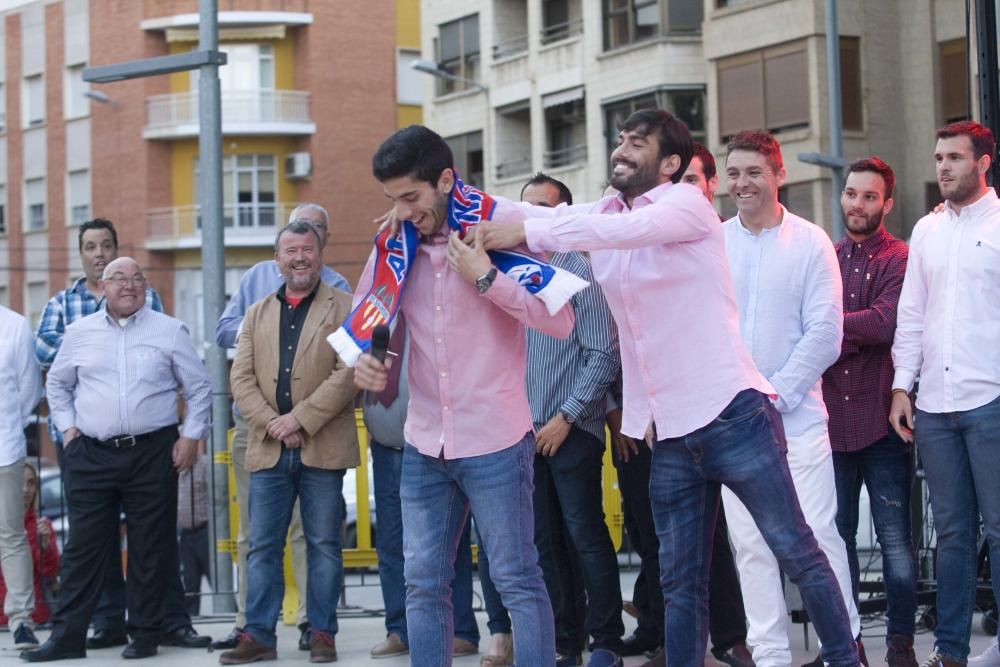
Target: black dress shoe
[(305, 639), (51, 650), (229, 641), (136, 650), (107, 639), (186, 637), (637, 645)]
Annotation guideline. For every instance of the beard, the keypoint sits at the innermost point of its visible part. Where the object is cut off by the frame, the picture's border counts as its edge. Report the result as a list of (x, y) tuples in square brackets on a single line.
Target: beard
[(866, 228), (962, 189), (643, 178)]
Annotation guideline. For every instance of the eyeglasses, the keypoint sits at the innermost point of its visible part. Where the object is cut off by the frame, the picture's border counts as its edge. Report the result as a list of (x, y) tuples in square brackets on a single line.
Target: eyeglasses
[(124, 281)]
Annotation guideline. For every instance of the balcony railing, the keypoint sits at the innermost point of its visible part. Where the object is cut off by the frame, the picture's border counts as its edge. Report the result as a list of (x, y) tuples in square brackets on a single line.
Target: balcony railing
[(514, 167), (243, 111), (157, 8), (564, 30), (563, 157), (510, 47), (244, 224)]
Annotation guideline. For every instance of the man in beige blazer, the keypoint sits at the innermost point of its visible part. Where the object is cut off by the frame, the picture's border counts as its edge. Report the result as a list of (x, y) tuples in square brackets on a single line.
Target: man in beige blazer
[(297, 396)]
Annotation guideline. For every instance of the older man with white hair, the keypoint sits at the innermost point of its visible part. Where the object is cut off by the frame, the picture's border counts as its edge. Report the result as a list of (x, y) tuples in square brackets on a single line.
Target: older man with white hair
[(112, 393), (260, 281)]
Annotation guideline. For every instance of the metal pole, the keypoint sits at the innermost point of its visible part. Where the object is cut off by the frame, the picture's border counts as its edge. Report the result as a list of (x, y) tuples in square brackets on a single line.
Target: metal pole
[(213, 281), (836, 117), (989, 81)]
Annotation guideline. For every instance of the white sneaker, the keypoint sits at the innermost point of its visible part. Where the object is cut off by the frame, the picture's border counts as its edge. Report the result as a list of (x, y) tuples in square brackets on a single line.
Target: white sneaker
[(988, 658)]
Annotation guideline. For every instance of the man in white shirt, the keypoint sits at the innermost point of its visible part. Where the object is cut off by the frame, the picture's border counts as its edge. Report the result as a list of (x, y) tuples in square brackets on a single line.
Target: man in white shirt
[(788, 288), (22, 382), (947, 329)]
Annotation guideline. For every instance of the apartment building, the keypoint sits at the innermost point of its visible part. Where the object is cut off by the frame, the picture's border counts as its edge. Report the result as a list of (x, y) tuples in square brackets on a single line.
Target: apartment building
[(307, 95), (542, 84)]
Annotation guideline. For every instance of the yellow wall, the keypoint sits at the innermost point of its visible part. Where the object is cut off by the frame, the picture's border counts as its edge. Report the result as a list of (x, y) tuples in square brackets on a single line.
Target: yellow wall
[(191, 259), (408, 24), (185, 150), (409, 114)]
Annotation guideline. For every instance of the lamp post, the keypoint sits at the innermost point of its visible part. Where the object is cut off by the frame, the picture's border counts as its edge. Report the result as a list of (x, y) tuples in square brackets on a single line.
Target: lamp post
[(432, 68)]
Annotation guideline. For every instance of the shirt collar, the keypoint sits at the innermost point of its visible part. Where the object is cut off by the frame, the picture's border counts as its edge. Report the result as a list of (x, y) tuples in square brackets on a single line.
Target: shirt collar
[(616, 203), (988, 200), (134, 317), (280, 295), (769, 230), (873, 242)]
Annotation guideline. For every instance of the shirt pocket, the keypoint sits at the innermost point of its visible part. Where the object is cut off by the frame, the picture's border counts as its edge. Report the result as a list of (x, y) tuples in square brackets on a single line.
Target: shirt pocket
[(152, 366)]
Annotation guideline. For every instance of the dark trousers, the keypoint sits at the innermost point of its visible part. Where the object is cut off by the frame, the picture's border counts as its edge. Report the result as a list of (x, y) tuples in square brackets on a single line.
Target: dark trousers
[(568, 496), (726, 615), (194, 565), (100, 481)]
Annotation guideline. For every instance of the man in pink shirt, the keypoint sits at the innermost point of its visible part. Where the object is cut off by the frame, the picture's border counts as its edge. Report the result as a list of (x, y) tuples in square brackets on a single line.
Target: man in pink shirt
[(469, 440), (658, 251)]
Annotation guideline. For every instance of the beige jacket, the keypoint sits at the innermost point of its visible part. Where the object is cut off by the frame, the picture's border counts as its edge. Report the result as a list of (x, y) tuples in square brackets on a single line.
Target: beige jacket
[(322, 385)]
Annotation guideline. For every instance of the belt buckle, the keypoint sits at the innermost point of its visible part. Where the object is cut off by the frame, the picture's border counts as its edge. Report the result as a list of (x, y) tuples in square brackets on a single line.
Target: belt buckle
[(124, 442)]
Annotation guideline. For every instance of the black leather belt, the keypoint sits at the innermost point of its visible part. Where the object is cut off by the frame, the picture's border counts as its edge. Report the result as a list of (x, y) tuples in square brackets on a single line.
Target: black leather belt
[(127, 441)]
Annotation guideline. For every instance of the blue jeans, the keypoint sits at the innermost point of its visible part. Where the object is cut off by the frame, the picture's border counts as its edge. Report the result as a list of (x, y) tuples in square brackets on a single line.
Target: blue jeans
[(568, 503), (886, 468), (961, 456), (437, 495), (387, 463), (271, 499), (743, 448)]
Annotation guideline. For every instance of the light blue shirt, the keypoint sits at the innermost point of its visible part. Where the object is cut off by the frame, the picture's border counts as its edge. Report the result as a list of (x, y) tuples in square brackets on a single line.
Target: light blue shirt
[(790, 296), (260, 281)]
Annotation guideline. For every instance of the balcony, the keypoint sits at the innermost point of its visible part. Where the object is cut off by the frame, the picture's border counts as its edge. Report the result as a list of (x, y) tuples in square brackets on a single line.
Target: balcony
[(565, 157), (168, 14), (244, 112), (245, 225), (562, 30)]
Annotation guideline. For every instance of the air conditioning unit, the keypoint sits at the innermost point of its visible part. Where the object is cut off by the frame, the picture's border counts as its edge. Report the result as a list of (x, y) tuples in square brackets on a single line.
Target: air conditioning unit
[(298, 166)]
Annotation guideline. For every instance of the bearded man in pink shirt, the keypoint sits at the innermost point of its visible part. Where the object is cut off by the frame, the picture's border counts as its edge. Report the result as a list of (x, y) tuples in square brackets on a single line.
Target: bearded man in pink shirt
[(658, 252), (469, 439)]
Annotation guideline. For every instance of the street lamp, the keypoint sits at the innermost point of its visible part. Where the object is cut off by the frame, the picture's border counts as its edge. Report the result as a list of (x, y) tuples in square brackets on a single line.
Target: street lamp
[(434, 69)]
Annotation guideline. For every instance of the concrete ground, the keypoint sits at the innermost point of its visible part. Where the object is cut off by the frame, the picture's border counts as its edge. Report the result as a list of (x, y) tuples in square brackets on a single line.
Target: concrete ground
[(362, 626)]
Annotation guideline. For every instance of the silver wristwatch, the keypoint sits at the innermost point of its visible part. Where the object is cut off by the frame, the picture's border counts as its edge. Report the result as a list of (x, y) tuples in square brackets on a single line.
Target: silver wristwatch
[(483, 283)]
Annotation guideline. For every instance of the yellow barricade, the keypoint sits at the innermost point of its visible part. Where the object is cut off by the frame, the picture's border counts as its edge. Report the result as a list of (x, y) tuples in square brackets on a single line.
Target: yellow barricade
[(364, 556)]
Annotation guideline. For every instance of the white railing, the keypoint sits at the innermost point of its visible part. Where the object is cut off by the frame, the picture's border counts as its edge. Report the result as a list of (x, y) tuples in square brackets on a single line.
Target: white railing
[(238, 106), (558, 31), (185, 221), (563, 157)]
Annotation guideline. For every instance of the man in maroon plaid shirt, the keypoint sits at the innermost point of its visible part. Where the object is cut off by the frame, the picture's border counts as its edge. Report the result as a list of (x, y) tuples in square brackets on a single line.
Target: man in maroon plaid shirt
[(857, 393)]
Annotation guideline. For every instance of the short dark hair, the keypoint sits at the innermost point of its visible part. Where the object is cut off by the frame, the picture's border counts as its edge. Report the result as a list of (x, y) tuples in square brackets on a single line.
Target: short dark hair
[(98, 223), (412, 151), (875, 164), (758, 141), (981, 137), (297, 227), (672, 133), (565, 196), (707, 160)]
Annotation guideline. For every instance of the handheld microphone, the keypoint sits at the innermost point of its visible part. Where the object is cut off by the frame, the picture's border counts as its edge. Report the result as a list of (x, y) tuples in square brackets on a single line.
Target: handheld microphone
[(380, 342)]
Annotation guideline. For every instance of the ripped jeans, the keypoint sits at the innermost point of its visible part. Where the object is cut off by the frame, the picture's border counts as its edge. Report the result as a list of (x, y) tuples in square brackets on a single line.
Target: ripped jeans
[(886, 469)]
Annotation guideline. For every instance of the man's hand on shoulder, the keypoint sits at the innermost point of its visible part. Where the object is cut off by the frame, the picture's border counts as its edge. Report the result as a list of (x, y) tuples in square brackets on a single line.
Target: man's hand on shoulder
[(500, 236)]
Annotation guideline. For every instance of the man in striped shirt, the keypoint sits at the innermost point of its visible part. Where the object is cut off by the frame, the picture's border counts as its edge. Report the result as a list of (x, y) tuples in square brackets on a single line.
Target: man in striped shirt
[(567, 382)]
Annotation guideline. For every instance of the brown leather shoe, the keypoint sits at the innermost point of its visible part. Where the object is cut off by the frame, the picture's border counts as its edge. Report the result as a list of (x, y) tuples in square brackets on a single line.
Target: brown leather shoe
[(390, 647), (463, 647), (322, 647), (248, 650)]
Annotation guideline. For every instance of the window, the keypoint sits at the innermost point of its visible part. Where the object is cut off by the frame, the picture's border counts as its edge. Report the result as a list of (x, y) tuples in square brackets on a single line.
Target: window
[(249, 67), (249, 190), (34, 101), (4, 296), (686, 104), (798, 199), (75, 102), (565, 129), (3, 210), (851, 103), (630, 21), (79, 196), (458, 53), (3, 108), (34, 204), (764, 89), (513, 145), (467, 150), (561, 19), (408, 80), (36, 295), (510, 29), (954, 88)]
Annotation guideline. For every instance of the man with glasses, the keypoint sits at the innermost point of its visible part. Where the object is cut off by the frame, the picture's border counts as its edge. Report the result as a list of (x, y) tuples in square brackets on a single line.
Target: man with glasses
[(112, 393), (260, 281)]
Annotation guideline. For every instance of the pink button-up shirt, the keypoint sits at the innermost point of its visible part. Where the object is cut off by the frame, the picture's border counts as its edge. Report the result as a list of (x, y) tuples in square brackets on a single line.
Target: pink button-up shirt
[(664, 271), (468, 356)]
